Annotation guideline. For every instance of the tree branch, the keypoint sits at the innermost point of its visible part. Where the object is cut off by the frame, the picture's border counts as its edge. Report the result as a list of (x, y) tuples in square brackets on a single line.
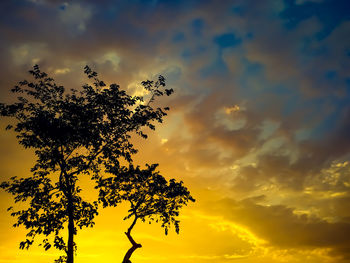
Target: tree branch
[(131, 227)]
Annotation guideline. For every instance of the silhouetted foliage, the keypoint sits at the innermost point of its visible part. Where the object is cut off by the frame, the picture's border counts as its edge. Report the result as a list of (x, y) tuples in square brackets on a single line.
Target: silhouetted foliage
[(151, 197), (74, 133)]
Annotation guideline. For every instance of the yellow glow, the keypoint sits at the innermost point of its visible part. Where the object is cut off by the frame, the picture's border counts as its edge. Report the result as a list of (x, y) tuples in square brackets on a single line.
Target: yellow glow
[(229, 110), (62, 71)]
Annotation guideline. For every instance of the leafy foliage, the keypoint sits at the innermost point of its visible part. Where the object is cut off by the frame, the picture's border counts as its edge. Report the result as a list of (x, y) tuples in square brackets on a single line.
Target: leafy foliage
[(73, 133), (151, 196)]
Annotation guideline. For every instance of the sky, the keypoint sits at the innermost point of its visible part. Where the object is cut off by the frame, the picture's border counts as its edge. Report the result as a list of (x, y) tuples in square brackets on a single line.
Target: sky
[(258, 128)]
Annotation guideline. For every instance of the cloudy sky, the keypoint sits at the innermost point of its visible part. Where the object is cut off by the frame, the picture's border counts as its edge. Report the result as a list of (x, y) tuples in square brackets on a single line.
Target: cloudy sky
[(258, 128)]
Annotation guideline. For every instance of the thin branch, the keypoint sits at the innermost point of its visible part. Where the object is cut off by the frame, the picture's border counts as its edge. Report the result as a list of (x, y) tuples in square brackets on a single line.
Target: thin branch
[(65, 159), (58, 190), (132, 225)]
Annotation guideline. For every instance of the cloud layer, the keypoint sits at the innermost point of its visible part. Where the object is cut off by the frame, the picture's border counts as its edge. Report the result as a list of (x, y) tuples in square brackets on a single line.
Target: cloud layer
[(259, 124)]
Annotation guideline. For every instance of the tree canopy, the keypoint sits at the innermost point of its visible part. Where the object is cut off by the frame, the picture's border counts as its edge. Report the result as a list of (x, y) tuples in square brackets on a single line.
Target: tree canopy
[(76, 132), (151, 197)]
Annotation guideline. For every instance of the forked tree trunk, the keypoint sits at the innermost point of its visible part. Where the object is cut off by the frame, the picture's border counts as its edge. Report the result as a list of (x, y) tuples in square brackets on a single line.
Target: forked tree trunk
[(131, 250), (132, 241)]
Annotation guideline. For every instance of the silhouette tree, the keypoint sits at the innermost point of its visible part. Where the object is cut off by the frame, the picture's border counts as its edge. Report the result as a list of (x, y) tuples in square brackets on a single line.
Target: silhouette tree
[(74, 133), (151, 197)]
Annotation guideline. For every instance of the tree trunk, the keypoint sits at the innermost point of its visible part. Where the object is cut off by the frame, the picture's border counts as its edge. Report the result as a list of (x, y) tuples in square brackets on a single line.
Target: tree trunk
[(132, 241), (71, 230), (68, 187), (131, 250)]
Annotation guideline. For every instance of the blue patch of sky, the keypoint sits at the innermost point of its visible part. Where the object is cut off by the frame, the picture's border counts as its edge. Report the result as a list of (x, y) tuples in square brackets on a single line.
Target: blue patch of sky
[(291, 101), (251, 72), (144, 9), (331, 75), (111, 13), (347, 52), (347, 89), (180, 5), (178, 37), (338, 83), (197, 26), (188, 54), (332, 101), (238, 10), (308, 48), (253, 68), (227, 40), (113, 10), (63, 6), (170, 3), (249, 36), (327, 125), (329, 121), (253, 86), (331, 13), (146, 2), (291, 97), (217, 67)]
